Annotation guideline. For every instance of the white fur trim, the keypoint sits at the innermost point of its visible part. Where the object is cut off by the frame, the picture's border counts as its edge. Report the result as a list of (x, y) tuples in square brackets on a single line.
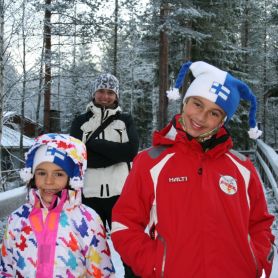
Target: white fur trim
[(173, 94), (254, 133), (76, 183), (26, 174)]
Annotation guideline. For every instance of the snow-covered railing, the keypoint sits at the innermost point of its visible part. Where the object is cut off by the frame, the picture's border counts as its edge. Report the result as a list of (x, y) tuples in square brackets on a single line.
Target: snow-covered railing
[(267, 160), (9, 177), (12, 199)]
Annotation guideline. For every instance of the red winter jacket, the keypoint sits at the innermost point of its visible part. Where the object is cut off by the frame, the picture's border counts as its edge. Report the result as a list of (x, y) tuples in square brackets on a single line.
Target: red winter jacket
[(206, 209)]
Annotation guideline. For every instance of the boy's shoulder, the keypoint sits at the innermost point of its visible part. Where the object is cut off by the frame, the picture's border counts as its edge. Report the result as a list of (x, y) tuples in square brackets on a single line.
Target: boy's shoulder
[(242, 159), (238, 155), (153, 154), (156, 151)]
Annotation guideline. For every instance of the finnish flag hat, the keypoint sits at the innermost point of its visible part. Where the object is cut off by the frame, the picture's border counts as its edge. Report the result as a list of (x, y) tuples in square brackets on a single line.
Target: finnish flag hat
[(62, 149), (219, 87)]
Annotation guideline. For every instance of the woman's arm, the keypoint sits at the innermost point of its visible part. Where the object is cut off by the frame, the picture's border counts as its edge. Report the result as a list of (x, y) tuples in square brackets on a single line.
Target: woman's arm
[(115, 151)]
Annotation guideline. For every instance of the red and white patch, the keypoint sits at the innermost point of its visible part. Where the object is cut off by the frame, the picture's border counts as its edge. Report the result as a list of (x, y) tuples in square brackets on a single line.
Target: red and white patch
[(228, 185)]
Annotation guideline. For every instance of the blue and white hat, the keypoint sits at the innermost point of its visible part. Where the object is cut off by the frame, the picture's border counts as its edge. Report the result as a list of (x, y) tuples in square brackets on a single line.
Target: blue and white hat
[(219, 87), (106, 81), (64, 150)]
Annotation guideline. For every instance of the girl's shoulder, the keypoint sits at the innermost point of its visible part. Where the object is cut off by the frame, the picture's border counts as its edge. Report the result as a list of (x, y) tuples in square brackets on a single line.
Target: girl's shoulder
[(85, 219), (22, 212), (19, 217)]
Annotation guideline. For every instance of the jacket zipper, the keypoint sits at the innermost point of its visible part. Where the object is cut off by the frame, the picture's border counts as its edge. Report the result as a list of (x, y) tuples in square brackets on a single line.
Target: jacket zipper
[(159, 237), (254, 257)]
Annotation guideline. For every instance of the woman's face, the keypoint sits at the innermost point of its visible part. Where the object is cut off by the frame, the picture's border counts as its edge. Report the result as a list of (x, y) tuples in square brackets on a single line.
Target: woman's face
[(201, 115), (105, 98), (50, 179)]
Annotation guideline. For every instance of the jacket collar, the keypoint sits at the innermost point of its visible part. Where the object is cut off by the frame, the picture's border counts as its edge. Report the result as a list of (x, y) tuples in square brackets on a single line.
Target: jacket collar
[(101, 111), (173, 133)]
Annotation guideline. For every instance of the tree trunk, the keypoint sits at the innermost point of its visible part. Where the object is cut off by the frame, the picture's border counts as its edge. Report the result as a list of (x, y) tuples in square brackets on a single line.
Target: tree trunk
[(265, 70), (40, 92), (23, 82), (47, 78), (163, 68), (115, 58), (1, 79)]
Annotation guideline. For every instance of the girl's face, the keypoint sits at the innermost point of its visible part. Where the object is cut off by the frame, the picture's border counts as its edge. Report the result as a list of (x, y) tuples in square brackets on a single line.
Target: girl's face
[(201, 115), (50, 179), (105, 98)]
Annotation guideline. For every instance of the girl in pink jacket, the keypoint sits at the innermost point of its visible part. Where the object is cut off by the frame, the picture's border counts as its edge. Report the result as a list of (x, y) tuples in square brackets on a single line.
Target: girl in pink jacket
[(53, 234)]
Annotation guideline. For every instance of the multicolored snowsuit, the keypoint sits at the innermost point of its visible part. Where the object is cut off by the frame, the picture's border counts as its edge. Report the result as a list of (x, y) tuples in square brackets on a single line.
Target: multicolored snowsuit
[(69, 240)]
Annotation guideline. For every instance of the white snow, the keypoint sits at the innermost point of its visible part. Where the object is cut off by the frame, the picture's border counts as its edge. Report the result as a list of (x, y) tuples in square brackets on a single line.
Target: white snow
[(11, 138), (9, 194)]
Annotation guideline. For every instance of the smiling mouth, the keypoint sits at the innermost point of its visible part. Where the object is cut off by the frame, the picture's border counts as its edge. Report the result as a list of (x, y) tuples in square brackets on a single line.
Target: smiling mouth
[(196, 125)]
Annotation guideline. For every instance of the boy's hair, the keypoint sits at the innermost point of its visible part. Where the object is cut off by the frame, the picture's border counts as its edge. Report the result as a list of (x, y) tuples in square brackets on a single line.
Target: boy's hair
[(62, 149)]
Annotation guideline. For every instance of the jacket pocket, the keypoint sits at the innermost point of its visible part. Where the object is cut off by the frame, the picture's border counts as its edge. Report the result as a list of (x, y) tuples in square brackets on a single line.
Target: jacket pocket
[(161, 253), (257, 264)]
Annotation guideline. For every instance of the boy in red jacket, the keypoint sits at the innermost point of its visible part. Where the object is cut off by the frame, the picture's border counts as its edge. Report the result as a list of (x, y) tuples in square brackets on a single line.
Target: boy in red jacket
[(203, 202)]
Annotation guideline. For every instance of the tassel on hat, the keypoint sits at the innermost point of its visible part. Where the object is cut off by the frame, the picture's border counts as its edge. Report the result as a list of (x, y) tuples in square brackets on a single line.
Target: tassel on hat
[(219, 87)]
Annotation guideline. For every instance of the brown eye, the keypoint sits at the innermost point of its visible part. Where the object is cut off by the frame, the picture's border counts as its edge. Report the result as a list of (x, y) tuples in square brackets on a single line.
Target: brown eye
[(59, 174), (197, 103), (40, 173)]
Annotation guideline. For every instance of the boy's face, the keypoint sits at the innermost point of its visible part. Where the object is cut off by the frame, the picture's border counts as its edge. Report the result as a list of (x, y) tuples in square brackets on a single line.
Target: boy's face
[(201, 115), (50, 179)]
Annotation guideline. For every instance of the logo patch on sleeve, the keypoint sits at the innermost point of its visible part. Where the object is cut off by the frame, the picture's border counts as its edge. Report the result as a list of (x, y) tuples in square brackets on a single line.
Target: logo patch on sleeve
[(228, 185)]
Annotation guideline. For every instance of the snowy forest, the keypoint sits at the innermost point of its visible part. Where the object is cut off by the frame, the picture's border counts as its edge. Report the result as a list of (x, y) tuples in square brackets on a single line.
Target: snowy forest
[(52, 50)]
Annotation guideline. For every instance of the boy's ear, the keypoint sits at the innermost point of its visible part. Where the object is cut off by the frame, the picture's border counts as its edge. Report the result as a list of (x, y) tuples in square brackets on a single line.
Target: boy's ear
[(222, 122)]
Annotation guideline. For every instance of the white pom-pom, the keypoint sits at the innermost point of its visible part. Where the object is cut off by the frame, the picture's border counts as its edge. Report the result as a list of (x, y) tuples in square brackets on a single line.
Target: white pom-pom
[(173, 94), (254, 133), (76, 183), (26, 174)]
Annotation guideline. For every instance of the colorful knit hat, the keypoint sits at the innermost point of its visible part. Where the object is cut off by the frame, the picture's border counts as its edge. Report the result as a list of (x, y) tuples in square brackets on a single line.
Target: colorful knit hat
[(219, 87), (106, 81), (64, 150)]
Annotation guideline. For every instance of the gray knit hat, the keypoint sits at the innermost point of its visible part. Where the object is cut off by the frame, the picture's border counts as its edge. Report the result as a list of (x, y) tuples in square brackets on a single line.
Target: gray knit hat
[(106, 81)]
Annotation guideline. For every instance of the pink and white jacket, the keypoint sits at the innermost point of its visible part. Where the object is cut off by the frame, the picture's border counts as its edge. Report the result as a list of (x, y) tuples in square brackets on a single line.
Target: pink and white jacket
[(68, 240), (206, 211)]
